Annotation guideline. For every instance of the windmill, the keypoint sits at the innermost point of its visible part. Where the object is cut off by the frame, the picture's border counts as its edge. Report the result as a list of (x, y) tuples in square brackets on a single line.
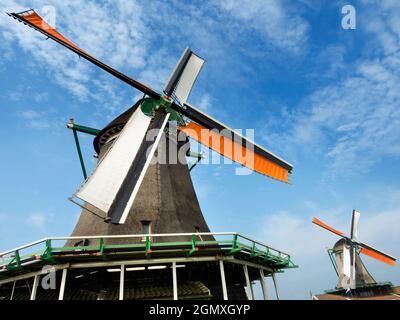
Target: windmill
[(114, 185), (350, 269), (141, 216)]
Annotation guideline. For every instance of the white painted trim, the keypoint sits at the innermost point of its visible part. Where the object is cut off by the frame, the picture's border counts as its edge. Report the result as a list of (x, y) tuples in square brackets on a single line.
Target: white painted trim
[(35, 286), (122, 282), (276, 286), (62, 285), (263, 285), (80, 265), (249, 288), (143, 173), (174, 281), (223, 280), (12, 291), (31, 274)]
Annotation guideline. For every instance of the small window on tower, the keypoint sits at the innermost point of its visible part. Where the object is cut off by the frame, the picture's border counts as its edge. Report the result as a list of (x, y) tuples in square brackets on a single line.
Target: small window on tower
[(146, 228)]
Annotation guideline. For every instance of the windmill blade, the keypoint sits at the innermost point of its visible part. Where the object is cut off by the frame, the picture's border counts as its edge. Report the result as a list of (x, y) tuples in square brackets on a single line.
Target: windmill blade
[(101, 188), (347, 261), (352, 263), (32, 19), (325, 226), (376, 254), (348, 268), (232, 145), (354, 225), (184, 76), (235, 151), (127, 192)]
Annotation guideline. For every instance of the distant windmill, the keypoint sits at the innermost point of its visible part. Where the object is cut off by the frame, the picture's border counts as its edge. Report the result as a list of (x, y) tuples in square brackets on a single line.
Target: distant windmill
[(351, 270)]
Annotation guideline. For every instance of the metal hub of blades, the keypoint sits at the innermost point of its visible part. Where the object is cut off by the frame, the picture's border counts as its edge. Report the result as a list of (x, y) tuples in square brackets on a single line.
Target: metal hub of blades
[(150, 105)]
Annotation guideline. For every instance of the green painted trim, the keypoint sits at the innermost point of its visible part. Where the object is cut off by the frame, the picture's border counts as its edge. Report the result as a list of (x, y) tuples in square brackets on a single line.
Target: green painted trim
[(266, 254), (188, 248), (78, 148), (47, 255), (77, 248), (168, 244), (235, 245), (124, 246), (194, 249), (17, 260), (361, 286), (254, 251), (148, 246), (84, 129), (101, 247), (150, 105), (333, 261)]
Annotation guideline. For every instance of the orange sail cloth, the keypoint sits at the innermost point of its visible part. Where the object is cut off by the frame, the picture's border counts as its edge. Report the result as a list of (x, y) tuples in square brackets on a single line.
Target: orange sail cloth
[(235, 151), (325, 226), (37, 20), (378, 256)]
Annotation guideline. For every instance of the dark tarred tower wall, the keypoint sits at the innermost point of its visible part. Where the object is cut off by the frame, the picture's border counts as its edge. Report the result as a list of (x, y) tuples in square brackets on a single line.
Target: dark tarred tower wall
[(166, 198)]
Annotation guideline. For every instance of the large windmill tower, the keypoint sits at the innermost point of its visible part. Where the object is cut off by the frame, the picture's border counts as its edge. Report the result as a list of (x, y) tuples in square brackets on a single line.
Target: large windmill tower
[(354, 280), (141, 218)]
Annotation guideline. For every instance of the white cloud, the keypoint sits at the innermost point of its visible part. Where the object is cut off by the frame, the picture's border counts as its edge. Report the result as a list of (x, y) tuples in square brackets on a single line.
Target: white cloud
[(276, 20), (354, 122), (113, 31), (205, 102), (41, 96), (136, 38), (30, 114), (36, 120), (37, 220)]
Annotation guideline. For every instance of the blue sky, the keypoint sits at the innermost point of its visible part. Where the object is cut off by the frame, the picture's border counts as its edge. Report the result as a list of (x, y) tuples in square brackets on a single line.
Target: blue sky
[(323, 98)]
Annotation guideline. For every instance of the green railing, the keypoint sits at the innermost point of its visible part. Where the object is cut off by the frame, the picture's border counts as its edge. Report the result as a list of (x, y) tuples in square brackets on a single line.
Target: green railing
[(232, 243), (361, 286)]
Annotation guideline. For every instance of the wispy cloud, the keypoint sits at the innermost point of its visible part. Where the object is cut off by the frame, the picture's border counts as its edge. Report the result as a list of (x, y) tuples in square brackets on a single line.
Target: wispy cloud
[(279, 23), (112, 30), (36, 120), (354, 122), (204, 102), (124, 35), (38, 220)]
